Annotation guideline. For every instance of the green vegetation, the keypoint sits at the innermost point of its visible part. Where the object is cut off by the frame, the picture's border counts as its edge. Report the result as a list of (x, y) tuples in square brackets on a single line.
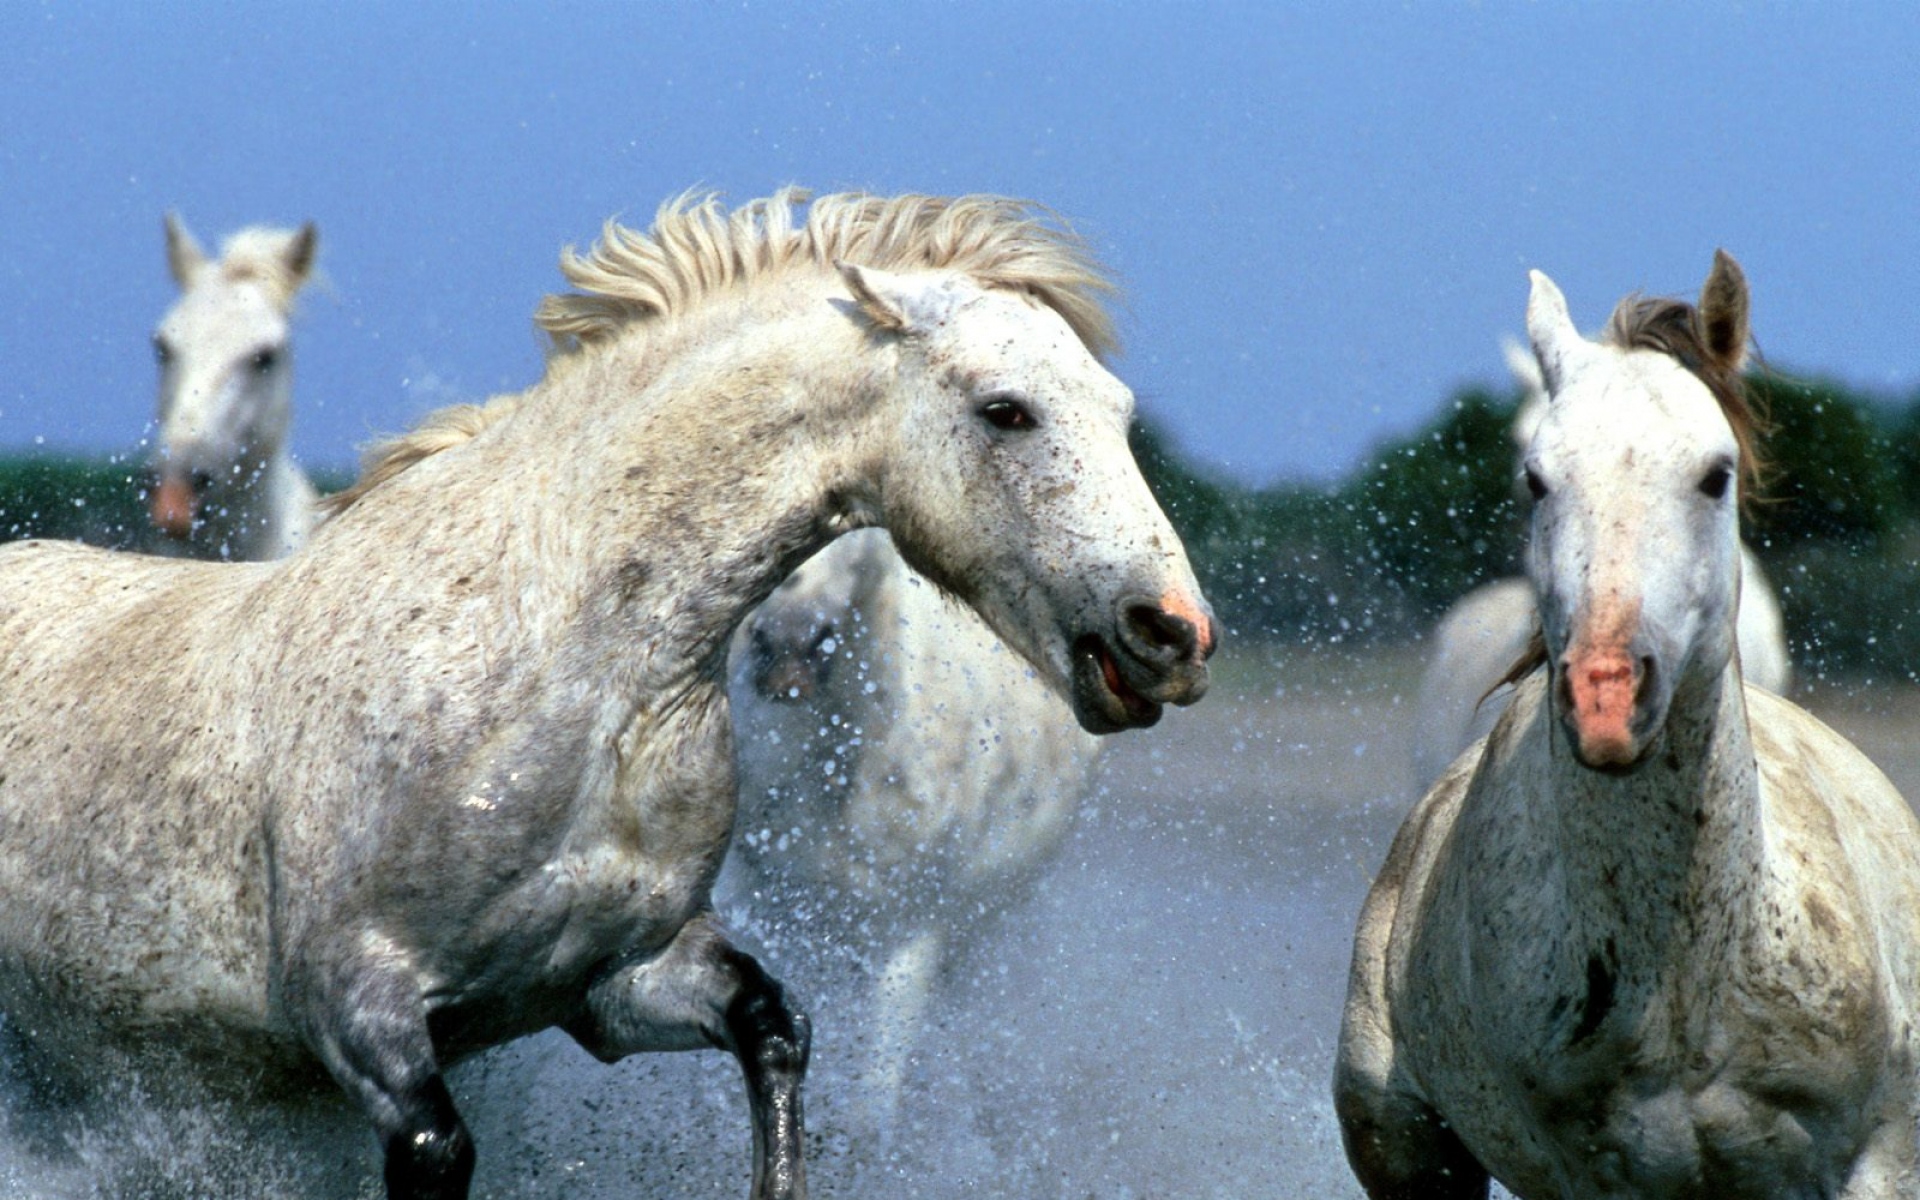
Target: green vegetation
[(77, 499), (1376, 557)]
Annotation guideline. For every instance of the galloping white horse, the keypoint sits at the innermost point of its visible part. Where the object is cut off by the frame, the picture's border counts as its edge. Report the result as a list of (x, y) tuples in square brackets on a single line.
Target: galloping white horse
[(1660, 937), (903, 775), (1486, 630), (462, 769), (224, 485)]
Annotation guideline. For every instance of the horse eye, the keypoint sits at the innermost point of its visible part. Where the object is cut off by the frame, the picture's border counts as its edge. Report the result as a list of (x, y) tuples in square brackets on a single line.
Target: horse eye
[(1715, 484), (1004, 412), (1536, 487), (162, 353), (264, 360)]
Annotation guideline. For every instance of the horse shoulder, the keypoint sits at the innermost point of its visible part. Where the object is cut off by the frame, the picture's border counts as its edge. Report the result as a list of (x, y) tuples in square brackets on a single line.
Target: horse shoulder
[(1844, 848)]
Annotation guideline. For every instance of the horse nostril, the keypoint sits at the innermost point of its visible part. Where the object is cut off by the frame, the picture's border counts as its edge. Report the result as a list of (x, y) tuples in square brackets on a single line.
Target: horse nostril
[(1158, 633)]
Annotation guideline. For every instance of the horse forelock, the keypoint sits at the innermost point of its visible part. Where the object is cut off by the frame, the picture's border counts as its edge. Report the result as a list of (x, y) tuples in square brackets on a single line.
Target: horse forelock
[(1675, 328), (697, 249), (259, 255)]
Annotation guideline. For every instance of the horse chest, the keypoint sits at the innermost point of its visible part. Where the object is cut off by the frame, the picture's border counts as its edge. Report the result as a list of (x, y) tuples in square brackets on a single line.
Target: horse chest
[(1624, 1092)]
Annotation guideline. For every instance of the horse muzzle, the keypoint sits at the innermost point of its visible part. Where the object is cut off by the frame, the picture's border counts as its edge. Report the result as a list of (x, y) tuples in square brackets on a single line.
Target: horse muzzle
[(1158, 656), (174, 505), (1610, 705)]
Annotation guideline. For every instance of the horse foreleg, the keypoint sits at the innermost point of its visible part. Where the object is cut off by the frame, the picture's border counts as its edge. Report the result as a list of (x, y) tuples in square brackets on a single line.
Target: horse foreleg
[(374, 1039), (904, 993), (700, 991)]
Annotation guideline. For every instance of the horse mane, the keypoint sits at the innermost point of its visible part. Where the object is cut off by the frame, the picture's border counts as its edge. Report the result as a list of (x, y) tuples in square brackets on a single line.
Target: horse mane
[(697, 249), (259, 254), (442, 429), (1676, 329)]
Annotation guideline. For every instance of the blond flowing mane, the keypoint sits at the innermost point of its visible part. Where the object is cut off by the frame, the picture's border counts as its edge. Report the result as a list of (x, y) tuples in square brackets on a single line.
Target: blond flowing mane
[(697, 249)]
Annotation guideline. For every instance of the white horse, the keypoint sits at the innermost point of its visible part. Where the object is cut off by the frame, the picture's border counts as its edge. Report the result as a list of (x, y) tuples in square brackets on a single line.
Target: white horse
[(223, 483), (1486, 630), (1660, 935), (904, 776), (462, 769)]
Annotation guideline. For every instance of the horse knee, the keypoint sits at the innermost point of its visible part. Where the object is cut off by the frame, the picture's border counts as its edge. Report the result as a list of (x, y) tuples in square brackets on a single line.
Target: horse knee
[(429, 1153), (771, 1036)]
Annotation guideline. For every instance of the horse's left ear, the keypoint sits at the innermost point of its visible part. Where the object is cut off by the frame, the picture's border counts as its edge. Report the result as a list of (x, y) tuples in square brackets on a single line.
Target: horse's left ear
[(909, 304), (300, 252), (1723, 311)]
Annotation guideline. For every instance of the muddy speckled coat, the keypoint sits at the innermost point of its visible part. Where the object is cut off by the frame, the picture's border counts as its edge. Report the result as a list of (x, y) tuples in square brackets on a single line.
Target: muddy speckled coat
[(462, 769), (1660, 936)]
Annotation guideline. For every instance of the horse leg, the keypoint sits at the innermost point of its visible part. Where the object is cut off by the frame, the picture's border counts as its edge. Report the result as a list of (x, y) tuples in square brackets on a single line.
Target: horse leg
[(376, 1044), (905, 990), (701, 991)]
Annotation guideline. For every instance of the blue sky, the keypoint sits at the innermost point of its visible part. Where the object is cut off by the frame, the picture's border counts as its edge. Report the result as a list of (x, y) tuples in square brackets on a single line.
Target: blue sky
[(1323, 214)]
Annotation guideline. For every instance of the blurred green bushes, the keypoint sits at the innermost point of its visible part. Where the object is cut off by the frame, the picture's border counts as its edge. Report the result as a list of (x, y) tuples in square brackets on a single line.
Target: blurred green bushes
[(1379, 555), (1376, 557), (74, 499)]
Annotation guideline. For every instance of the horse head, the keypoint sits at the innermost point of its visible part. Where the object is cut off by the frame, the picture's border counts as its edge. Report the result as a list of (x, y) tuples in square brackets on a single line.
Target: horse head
[(793, 642), (226, 383), (1635, 474), (1009, 482)]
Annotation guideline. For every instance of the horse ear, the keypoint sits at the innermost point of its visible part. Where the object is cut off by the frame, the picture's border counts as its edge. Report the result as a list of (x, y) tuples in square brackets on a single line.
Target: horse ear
[(1723, 311), (184, 256), (907, 304), (300, 252), (1556, 343)]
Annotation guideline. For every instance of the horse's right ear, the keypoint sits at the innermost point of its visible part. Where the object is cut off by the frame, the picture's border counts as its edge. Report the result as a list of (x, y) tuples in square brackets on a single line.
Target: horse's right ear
[(1557, 344), (1723, 311), (184, 256), (907, 304)]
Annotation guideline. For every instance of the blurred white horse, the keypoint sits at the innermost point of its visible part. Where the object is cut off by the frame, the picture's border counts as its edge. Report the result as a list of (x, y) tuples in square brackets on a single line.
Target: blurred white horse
[(904, 777), (1659, 935), (1486, 630), (462, 769), (223, 483)]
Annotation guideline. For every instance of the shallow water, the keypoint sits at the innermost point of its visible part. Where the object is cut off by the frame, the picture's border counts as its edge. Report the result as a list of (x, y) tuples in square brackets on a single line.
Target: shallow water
[(1157, 1020)]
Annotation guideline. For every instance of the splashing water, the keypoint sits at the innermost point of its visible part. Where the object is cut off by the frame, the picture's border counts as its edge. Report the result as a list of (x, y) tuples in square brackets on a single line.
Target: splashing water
[(1158, 1019)]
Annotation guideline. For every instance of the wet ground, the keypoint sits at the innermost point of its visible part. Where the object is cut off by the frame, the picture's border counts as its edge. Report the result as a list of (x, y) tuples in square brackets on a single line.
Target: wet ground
[(1157, 1020)]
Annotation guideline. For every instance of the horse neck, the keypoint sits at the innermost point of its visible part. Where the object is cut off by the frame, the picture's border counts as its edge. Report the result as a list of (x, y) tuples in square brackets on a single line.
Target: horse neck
[(266, 514), (678, 476), (1641, 850)]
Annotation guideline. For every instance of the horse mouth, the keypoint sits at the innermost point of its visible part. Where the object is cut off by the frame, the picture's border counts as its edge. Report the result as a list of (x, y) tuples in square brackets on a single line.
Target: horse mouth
[(1103, 700)]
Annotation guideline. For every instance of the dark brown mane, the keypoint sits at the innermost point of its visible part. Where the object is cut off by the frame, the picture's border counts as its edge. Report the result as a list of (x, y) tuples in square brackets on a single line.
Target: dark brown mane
[(1676, 329)]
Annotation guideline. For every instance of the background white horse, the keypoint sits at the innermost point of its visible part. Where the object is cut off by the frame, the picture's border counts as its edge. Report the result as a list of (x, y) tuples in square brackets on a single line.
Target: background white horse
[(223, 482), (904, 777), (462, 769), (1486, 630), (1660, 936)]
